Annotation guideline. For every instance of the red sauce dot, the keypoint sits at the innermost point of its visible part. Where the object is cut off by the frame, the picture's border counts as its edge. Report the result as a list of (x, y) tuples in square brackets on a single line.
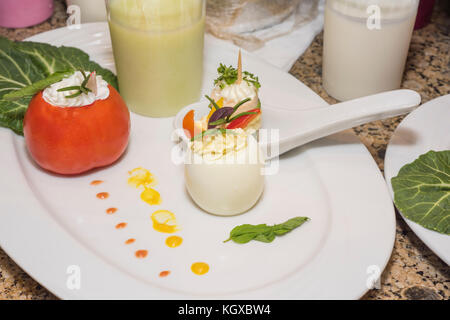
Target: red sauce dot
[(164, 273), (111, 210), (102, 195), (121, 225), (141, 253), (96, 182), (130, 241)]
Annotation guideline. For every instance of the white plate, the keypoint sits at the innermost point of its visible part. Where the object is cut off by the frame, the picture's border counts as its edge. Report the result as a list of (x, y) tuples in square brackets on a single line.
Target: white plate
[(424, 129), (49, 223)]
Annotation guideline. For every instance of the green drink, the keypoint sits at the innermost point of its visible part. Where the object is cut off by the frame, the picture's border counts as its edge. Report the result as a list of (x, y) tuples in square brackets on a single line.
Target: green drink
[(158, 51)]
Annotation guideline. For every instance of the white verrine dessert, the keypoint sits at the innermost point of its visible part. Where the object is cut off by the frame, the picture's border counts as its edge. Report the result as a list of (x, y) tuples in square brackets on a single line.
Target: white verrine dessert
[(223, 173)]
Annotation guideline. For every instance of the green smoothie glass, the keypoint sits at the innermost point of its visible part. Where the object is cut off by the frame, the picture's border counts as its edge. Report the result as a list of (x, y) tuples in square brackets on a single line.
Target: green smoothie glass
[(158, 51)]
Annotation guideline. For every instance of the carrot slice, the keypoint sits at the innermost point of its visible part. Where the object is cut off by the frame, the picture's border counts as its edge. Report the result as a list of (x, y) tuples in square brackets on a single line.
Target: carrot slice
[(188, 124)]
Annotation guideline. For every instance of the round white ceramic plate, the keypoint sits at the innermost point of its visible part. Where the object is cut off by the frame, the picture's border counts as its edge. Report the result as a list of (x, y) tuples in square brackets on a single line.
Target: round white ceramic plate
[(56, 229), (424, 129)]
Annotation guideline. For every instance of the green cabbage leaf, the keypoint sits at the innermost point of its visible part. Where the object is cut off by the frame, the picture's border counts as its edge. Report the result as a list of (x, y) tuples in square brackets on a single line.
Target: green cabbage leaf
[(22, 64), (422, 191)]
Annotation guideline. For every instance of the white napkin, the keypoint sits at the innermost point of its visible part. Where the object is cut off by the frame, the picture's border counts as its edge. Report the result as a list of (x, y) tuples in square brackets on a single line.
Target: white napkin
[(283, 51)]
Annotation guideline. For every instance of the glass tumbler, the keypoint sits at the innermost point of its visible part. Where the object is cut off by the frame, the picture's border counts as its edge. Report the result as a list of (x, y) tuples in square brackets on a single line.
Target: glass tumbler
[(158, 52), (365, 45)]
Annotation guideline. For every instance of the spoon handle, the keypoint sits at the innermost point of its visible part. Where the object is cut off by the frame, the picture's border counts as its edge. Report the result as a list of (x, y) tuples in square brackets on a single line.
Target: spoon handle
[(320, 122)]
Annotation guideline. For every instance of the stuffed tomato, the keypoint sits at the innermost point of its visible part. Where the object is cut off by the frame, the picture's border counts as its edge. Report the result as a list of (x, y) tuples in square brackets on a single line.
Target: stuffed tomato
[(77, 124)]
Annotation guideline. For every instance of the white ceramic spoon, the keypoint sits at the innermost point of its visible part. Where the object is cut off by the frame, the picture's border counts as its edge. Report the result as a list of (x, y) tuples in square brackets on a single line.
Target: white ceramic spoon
[(297, 127)]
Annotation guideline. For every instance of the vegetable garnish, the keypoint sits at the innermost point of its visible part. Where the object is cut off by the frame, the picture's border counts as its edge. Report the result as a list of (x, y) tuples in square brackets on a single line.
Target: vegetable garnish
[(223, 115), (37, 86), (219, 116), (243, 119), (262, 232), (80, 89), (219, 104), (240, 103), (212, 102), (244, 114), (422, 191), (223, 120), (188, 123), (229, 75), (25, 63)]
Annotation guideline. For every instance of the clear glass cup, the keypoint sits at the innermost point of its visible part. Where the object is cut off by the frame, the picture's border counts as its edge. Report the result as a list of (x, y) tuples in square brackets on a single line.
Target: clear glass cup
[(158, 51), (365, 45)]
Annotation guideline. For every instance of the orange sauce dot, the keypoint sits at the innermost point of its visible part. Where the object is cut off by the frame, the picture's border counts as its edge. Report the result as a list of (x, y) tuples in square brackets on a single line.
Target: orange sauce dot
[(102, 195), (121, 225), (174, 241), (96, 182), (200, 268), (130, 241), (140, 177), (151, 196), (111, 210), (164, 273), (141, 253)]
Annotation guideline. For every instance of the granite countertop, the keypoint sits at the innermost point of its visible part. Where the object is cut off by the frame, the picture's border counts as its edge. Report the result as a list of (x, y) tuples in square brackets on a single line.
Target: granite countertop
[(413, 272)]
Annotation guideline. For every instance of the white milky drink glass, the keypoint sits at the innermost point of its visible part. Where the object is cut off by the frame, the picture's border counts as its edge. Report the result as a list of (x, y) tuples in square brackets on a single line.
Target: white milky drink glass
[(365, 46), (158, 52)]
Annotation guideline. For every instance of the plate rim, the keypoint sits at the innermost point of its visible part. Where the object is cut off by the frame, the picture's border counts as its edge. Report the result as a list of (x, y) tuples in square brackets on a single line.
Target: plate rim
[(61, 292), (424, 234)]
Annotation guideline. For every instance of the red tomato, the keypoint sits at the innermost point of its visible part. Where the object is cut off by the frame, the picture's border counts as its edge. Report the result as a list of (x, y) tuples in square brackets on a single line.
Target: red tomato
[(71, 140)]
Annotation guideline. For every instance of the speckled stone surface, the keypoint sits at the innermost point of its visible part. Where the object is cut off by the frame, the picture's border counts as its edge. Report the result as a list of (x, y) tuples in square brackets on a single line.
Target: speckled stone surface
[(413, 271)]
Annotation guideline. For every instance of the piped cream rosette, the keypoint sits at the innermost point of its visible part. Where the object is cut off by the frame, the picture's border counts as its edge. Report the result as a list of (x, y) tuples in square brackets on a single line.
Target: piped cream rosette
[(233, 93)]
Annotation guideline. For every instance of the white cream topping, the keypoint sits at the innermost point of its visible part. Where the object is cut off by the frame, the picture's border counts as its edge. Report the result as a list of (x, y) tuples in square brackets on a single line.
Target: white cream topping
[(234, 93), (52, 96)]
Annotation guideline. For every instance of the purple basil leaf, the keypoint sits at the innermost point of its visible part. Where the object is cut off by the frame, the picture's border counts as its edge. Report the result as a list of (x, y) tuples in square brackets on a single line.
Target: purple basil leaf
[(219, 114)]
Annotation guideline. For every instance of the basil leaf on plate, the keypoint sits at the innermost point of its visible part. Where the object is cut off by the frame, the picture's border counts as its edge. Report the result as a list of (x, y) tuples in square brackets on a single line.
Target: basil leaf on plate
[(262, 232), (289, 225), (422, 191), (22, 64)]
